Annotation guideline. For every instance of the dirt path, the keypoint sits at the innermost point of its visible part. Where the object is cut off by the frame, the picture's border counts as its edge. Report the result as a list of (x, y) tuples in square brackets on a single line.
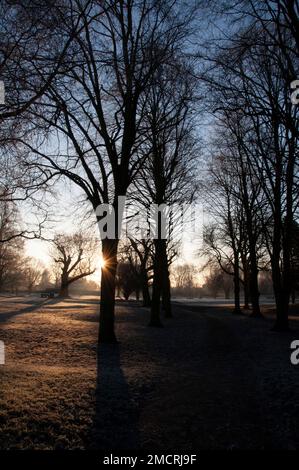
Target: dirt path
[(207, 380)]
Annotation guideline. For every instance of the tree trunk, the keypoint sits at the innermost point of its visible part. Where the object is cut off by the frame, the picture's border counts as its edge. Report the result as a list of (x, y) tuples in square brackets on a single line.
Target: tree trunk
[(293, 295), (157, 286), (282, 295), (252, 272), (145, 291), (246, 296), (246, 283), (254, 293), (282, 309), (253, 278), (237, 309), (108, 278), (64, 291), (281, 299), (252, 245), (166, 295), (64, 285)]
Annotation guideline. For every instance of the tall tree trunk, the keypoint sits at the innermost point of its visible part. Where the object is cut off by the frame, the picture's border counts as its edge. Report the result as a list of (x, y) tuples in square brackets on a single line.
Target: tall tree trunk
[(157, 286), (253, 283), (64, 286), (106, 327), (280, 290), (145, 290), (252, 246), (281, 297), (166, 295), (282, 322), (64, 291), (246, 282), (253, 272), (293, 295), (253, 264), (237, 309), (282, 309), (246, 295), (282, 294)]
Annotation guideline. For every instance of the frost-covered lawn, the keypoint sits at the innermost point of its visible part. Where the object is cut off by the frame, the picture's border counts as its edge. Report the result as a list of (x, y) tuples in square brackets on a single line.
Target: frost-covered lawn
[(207, 380)]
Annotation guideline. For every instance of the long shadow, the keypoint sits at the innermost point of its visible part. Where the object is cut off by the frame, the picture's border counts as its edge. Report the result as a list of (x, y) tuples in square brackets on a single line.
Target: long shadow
[(115, 422), (69, 307), (81, 301), (4, 317)]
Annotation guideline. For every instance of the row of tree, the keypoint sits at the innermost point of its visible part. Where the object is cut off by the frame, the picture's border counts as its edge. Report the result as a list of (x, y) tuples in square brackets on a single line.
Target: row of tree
[(253, 180), (106, 94)]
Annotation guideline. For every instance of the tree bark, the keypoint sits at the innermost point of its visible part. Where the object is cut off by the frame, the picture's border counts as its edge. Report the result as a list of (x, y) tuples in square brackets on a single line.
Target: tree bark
[(252, 246), (64, 285), (253, 272), (166, 295), (246, 295), (281, 297), (282, 322), (108, 284), (246, 281), (64, 291), (237, 309), (166, 298), (145, 291), (280, 290), (157, 286)]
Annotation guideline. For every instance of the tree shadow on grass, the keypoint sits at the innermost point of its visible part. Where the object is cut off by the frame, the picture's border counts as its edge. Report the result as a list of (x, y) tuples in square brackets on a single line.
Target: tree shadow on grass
[(5, 316), (115, 422)]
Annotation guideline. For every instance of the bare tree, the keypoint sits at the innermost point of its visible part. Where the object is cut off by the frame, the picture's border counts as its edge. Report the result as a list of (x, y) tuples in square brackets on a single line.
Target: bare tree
[(256, 71), (32, 273), (93, 111), (12, 250), (128, 280), (32, 50), (139, 254), (167, 176), (74, 254), (184, 279)]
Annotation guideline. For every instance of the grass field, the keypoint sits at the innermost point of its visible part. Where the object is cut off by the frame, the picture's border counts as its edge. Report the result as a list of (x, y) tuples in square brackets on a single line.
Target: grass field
[(207, 380)]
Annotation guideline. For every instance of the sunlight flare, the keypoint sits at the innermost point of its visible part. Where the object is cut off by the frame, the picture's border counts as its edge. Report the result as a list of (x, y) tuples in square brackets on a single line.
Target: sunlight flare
[(102, 263)]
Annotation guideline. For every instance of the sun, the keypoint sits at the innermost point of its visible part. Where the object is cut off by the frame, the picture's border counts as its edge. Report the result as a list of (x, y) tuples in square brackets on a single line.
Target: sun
[(102, 263)]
